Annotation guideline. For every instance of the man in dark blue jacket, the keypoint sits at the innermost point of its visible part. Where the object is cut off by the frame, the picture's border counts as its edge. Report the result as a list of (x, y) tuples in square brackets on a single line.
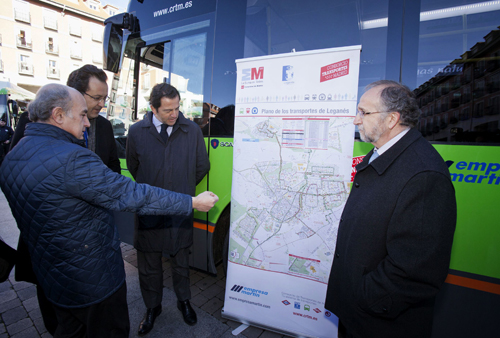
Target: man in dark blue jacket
[(165, 150), (395, 234), (61, 195)]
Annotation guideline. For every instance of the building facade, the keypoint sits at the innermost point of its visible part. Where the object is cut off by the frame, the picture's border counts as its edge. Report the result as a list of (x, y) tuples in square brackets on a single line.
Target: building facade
[(44, 41)]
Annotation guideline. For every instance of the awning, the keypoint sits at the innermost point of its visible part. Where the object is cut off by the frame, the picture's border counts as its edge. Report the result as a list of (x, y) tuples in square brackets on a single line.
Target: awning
[(16, 93)]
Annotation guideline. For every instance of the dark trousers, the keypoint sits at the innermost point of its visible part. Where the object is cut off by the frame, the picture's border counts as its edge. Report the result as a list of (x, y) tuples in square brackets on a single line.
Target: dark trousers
[(47, 309), (107, 319), (150, 269)]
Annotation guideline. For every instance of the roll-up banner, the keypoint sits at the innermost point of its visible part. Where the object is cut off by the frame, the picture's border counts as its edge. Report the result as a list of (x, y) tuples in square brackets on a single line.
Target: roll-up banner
[(292, 163)]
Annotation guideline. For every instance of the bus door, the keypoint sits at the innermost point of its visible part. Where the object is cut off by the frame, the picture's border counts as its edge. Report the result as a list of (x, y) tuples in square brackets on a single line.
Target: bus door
[(180, 59)]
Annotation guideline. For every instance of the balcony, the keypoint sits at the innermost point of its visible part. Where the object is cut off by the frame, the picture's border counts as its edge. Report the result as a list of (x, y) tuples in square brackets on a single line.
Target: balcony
[(22, 15), (22, 42), (97, 36), (53, 73), (76, 54), (75, 30), (50, 48), (50, 23), (97, 58), (25, 68)]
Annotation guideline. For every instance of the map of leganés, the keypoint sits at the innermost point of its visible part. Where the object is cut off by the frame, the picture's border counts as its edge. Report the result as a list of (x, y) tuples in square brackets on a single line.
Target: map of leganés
[(291, 178)]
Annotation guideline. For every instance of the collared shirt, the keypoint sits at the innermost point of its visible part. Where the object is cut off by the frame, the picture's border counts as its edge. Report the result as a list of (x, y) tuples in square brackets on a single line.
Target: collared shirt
[(391, 142), (157, 123)]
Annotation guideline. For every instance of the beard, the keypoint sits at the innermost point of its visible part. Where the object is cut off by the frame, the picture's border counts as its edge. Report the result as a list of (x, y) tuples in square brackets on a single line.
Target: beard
[(372, 135)]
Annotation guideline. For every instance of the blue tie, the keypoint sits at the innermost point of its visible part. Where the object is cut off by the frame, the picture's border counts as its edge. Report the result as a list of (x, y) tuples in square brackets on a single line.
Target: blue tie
[(374, 156), (86, 137)]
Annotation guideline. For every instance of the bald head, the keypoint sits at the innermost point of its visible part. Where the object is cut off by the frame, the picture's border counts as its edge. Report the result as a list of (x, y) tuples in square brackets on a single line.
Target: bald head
[(47, 98), (61, 106)]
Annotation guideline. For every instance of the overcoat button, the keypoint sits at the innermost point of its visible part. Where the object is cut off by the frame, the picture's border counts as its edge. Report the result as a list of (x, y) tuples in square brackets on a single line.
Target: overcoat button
[(356, 185)]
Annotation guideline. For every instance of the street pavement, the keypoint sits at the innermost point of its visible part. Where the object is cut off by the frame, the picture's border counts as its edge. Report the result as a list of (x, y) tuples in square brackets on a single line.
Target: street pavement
[(20, 315)]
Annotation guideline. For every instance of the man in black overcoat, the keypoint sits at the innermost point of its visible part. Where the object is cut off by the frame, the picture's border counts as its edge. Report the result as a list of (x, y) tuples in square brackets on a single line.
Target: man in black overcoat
[(396, 231), (91, 82), (165, 150)]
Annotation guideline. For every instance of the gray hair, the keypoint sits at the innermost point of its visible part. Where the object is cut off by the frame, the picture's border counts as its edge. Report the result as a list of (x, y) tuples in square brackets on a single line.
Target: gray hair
[(396, 97), (47, 98)]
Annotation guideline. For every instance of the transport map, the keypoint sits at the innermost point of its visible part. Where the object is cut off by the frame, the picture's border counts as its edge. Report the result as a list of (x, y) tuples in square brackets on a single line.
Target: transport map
[(291, 178)]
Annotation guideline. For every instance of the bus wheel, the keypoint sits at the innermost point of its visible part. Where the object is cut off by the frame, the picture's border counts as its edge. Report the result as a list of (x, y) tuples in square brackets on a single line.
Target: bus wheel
[(219, 237)]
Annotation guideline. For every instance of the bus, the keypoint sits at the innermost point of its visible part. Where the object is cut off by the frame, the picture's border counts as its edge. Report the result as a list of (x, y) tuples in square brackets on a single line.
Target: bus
[(447, 51)]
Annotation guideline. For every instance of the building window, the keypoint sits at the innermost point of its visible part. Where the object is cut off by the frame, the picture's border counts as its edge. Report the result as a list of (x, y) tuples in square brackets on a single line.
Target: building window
[(53, 70), (76, 50), (25, 67), (97, 32), (97, 55), (23, 38), (51, 46), (75, 26), (22, 11), (147, 81), (50, 19)]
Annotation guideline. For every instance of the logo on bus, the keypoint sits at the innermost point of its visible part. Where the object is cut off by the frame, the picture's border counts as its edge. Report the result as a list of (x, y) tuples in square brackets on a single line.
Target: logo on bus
[(215, 143), (474, 172), (250, 74)]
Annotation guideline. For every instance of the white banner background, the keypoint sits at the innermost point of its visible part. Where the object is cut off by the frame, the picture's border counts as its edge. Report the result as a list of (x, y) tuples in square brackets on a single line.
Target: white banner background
[(292, 163)]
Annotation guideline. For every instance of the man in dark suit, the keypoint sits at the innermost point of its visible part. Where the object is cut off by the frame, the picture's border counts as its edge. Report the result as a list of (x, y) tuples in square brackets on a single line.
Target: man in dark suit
[(395, 234), (165, 150), (91, 82)]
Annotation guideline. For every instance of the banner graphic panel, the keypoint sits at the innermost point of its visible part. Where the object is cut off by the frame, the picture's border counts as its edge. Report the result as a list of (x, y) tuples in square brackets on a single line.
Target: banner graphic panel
[(292, 163)]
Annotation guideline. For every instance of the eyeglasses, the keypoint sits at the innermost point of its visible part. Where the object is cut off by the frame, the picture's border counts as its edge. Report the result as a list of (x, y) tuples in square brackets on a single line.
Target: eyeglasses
[(362, 114), (98, 99)]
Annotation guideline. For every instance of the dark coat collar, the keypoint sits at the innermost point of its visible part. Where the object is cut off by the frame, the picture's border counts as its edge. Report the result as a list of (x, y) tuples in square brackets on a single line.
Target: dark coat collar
[(387, 158)]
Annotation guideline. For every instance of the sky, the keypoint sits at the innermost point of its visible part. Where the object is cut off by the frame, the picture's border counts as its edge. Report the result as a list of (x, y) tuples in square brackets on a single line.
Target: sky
[(122, 4)]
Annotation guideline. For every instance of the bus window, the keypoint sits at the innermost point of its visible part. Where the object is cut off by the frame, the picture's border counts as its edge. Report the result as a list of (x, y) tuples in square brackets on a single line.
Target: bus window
[(458, 74), (179, 61)]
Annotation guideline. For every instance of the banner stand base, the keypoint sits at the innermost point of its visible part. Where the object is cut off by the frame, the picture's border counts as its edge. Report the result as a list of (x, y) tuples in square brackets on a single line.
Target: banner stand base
[(245, 324), (240, 329)]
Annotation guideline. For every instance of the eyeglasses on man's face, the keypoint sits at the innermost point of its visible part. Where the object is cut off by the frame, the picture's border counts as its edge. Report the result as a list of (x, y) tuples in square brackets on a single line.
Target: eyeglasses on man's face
[(98, 99), (362, 113)]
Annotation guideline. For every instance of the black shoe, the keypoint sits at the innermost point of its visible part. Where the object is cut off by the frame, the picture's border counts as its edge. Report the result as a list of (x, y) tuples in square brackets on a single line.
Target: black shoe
[(149, 320), (187, 312)]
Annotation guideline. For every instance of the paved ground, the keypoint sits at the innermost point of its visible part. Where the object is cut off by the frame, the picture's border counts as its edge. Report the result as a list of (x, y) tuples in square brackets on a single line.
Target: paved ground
[(20, 316)]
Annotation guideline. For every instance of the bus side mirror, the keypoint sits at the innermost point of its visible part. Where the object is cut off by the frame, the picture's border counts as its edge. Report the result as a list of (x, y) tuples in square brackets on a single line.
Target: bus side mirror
[(112, 43), (113, 39)]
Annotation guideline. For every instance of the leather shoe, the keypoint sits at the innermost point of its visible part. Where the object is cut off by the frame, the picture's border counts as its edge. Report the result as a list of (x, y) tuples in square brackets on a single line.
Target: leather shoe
[(149, 320), (187, 312)]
